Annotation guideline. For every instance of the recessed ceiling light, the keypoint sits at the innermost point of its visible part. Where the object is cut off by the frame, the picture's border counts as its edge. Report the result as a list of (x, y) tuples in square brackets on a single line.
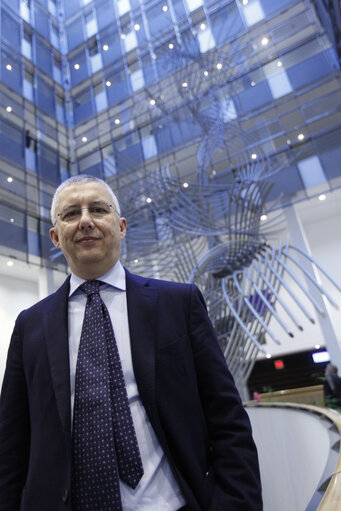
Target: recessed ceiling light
[(108, 83), (152, 101), (149, 200), (184, 84), (185, 185), (219, 65), (206, 73), (165, 8), (10, 179), (105, 47), (9, 67), (264, 217), (84, 139), (322, 196), (253, 84), (202, 26), (117, 121), (245, 2), (268, 355), (137, 26), (12, 220), (171, 46), (123, 36), (300, 136), (317, 346), (136, 261), (264, 41), (214, 172), (76, 66), (254, 156), (9, 109), (279, 64), (10, 263)]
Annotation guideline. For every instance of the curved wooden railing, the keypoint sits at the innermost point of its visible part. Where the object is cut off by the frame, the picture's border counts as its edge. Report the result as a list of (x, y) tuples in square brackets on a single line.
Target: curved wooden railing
[(331, 500)]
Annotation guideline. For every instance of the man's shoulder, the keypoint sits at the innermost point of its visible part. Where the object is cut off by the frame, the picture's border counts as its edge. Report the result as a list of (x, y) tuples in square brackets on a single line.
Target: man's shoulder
[(158, 283), (49, 301)]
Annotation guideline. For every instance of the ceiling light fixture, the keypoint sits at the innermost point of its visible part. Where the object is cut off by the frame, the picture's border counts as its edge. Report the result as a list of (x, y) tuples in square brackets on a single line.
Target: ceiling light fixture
[(185, 185), (254, 156), (171, 46), (300, 136), (9, 109), (10, 263), (165, 8), (206, 73), (105, 47), (322, 196), (253, 84), (184, 84), (264, 41), (9, 67), (264, 217), (202, 26), (279, 64), (108, 83), (152, 102), (219, 65), (137, 27), (9, 179), (149, 200), (84, 139), (76, 66), (117, 121)]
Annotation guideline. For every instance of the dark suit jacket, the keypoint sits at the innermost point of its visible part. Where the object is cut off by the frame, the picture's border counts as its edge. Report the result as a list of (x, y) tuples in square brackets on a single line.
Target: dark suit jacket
[(184, 384)]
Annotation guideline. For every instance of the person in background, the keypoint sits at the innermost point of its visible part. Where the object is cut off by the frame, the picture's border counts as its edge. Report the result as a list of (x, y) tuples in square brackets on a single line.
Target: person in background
[(332, 387), (116, 395)]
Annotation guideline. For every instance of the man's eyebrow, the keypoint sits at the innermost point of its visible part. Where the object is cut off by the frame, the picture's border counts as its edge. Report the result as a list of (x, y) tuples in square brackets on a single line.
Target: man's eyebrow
[(92, 203)]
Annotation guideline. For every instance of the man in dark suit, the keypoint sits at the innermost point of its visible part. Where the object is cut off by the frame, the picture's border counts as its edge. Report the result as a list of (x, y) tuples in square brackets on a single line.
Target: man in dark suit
[(191, 432)]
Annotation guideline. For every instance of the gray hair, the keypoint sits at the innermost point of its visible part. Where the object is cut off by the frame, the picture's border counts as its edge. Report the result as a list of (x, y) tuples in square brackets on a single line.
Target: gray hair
[(83, 178)]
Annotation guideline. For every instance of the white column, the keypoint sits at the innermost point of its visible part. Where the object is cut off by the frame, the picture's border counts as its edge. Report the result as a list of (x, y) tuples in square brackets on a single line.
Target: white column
[(299, 239), (46, 282)]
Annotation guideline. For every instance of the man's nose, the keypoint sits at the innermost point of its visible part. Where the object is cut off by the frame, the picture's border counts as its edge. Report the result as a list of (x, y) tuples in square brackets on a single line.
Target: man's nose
[(86, 221)]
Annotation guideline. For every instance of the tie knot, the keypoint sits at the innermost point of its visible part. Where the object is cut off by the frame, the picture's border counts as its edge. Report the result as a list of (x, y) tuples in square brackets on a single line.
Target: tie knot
[(90, 287)]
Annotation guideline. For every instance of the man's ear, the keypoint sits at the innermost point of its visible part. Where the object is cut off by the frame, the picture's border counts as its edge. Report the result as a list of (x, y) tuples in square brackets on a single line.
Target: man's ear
[(54, 236), (123, 227)]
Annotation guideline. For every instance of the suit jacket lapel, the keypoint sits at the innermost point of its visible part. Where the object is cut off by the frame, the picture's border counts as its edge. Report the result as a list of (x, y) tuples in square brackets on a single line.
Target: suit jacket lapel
[(56, 334), (141, 303)]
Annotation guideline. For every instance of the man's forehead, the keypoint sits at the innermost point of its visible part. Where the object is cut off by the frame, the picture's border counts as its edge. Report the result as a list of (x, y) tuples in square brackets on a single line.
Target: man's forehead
[(79, 192)]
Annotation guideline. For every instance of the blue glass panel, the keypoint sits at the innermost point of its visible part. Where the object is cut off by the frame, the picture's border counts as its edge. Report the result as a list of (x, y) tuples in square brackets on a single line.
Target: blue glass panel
[(117, 92), (287, 182), (41, 21), (269, 6), (14, 4), (158, 20), (44, 57), (81, 73), (83, 106), (12, 143), (311, 69), (179, 9), (226, 23), (48, 167), (105, 14), (95, 170), (14, 235), (45, 97), (74, 33), (70, 7), (111, 38), (11, 77), (10, 29), (252, 98)]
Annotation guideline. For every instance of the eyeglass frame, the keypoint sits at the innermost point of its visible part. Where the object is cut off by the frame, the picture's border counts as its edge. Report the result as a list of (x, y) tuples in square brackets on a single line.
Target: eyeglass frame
[(112, 206)]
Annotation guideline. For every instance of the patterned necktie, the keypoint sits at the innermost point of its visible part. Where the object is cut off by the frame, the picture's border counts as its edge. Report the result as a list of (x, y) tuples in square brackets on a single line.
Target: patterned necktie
[(104, 443)]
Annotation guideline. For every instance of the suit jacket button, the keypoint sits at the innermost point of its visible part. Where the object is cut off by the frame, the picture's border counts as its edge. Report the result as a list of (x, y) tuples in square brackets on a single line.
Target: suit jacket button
[(65, 495)]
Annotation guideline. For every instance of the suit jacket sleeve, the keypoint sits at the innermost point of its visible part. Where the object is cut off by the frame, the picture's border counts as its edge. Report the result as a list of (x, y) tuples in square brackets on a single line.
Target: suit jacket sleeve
[(233, 452), (14, 428)]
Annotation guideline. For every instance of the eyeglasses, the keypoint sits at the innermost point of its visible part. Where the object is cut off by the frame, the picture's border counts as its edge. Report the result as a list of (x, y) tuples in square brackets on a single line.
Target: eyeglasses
[(97, 210)]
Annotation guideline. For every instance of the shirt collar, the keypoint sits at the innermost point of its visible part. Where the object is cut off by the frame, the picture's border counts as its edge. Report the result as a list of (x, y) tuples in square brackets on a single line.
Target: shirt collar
[(115, 277)]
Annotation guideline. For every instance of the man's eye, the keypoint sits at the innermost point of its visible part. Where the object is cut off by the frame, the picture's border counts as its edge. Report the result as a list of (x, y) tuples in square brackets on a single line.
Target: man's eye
[(70, 214), (99, 210)]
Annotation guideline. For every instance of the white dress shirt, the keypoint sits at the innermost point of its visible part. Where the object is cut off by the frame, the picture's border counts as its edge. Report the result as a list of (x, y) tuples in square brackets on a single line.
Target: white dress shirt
[(157, 490)]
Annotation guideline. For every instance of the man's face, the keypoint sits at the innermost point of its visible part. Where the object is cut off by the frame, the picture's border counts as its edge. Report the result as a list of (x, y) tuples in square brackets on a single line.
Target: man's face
[(90, 243)]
